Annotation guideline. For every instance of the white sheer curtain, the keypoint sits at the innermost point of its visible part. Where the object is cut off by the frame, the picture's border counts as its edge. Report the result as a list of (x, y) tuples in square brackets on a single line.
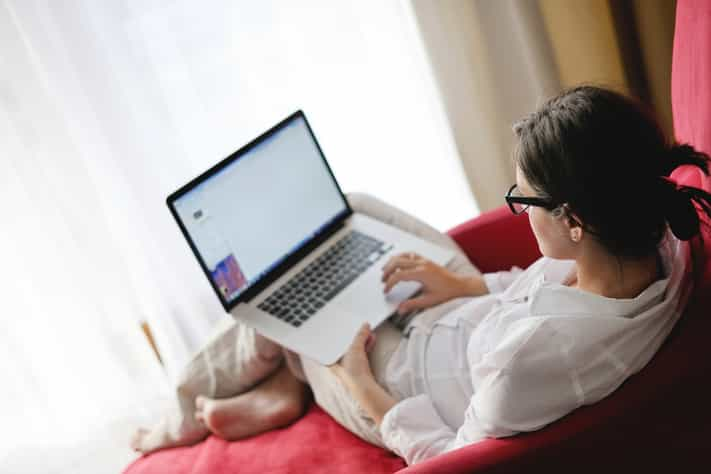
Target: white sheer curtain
[(107, 107), (494, 65)]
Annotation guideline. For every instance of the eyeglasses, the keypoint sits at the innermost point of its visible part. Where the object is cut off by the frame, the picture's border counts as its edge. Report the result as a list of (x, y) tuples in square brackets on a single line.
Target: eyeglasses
[(520, 204)]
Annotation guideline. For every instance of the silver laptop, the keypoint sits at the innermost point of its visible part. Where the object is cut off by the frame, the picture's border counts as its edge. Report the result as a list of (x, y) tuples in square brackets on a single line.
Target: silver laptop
[(284, 251)]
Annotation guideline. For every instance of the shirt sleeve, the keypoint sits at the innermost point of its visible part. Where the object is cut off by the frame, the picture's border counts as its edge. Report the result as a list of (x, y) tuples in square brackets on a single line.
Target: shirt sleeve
[(522, 385), (497, 282), (414, 430)]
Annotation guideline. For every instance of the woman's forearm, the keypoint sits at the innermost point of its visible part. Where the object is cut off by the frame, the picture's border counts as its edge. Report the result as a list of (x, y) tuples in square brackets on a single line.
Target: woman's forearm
[(373, 398)]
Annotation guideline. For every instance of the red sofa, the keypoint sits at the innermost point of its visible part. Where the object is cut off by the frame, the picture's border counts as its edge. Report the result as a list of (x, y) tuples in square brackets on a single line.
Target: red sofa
[(658, 421)]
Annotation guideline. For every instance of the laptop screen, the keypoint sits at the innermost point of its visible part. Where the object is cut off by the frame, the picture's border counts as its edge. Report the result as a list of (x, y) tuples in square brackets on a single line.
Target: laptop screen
[(258, 207)]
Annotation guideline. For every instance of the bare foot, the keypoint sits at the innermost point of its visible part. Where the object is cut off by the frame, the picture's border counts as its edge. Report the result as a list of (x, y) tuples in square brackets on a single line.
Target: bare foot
[(146, 441), (276, 402), (137, 439)]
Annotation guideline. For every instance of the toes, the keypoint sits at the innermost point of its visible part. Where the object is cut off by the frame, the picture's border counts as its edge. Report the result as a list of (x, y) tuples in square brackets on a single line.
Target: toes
[(137, 439), (200, 408), (200, 402)]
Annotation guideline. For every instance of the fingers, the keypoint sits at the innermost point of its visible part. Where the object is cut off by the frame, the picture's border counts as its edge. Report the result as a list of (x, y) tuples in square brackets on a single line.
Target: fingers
[(402, 261), (199, 407), (370, 342), (397, 265), (404, 275), (421, 302), (137, 439), (361, 337), (362, 342), (359, 343), (200, 402)]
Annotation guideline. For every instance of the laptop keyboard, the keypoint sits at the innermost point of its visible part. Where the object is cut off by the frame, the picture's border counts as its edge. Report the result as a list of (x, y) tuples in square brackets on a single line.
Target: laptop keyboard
[(321, 280)]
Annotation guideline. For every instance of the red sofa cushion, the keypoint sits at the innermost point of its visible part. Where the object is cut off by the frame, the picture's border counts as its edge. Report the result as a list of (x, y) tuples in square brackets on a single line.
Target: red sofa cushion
[(497, 240), (315, 443)]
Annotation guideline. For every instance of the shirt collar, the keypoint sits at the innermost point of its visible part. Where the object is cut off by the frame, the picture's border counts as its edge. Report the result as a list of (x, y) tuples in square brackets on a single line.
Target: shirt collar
[(547, 296), (551, 299)]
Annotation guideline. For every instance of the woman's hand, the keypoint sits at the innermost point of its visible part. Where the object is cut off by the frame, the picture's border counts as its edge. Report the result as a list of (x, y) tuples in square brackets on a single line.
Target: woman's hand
[(354, 366), (438, 283), (354, 371)]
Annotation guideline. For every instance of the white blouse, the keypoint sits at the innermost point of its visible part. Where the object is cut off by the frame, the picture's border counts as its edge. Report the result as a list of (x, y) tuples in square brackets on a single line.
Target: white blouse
[(525, 355)]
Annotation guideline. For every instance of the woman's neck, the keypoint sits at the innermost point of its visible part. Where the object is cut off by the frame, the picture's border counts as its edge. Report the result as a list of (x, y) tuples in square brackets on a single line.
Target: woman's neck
[(602, 273)]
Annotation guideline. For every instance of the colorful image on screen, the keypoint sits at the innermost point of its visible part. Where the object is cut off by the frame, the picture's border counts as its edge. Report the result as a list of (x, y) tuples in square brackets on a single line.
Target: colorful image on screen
[(228, 276)]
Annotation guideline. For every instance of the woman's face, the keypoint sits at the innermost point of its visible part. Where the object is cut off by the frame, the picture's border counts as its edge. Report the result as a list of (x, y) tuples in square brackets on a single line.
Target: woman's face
[(552, 233)]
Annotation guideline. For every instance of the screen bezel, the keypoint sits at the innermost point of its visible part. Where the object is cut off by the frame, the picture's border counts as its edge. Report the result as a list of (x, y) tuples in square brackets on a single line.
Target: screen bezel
[(296, 255)]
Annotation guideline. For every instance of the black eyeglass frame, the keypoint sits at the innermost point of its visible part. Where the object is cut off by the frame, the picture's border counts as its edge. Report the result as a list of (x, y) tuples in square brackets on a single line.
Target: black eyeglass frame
[(527, 201)]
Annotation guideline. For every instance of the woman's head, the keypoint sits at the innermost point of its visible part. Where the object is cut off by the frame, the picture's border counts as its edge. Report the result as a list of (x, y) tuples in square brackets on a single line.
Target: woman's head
[(600, 162)]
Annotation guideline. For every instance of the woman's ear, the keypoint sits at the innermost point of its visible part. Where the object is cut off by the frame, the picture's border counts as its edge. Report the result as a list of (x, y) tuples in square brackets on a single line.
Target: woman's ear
[(575, 225)]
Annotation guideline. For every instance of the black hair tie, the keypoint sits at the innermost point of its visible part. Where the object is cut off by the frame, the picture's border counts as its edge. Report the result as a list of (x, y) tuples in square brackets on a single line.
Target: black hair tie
[(679, 209)]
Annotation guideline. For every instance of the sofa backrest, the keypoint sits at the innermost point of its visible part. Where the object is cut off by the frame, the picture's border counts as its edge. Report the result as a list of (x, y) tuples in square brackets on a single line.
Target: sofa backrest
[(691, 106)]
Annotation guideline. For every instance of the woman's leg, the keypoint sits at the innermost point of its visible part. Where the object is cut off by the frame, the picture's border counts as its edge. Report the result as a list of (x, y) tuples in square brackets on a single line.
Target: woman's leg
[(232, 362), (275, 402)]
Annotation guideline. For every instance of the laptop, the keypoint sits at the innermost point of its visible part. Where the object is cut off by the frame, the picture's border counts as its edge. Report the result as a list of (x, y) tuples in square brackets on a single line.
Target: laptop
[(284, 251)]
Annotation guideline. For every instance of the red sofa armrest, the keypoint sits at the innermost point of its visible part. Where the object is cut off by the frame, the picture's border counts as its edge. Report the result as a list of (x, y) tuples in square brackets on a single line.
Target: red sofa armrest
[(497, 240), (659, 420)]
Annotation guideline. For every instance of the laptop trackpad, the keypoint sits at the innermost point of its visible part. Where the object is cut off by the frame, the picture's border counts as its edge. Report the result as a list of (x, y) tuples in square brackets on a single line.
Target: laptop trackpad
[(402, 291)]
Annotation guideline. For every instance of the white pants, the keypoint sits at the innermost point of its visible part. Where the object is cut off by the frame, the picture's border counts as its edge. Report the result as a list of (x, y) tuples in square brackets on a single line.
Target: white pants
[(237, 357)]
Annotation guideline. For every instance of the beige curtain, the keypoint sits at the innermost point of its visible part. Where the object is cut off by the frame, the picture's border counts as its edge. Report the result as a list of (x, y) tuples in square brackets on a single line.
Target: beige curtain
[(495, 61), (493, 64), (625, 44)]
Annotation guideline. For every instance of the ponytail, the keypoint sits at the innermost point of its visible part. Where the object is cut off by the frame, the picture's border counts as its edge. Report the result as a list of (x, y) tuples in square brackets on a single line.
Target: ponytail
[(683, 154), (681, 202)]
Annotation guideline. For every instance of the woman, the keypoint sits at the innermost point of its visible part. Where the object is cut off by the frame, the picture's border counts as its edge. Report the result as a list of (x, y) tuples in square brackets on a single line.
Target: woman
[(497, 354)]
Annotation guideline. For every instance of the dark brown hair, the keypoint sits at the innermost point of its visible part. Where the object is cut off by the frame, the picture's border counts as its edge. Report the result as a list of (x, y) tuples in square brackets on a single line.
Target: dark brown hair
[(605, 157)]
